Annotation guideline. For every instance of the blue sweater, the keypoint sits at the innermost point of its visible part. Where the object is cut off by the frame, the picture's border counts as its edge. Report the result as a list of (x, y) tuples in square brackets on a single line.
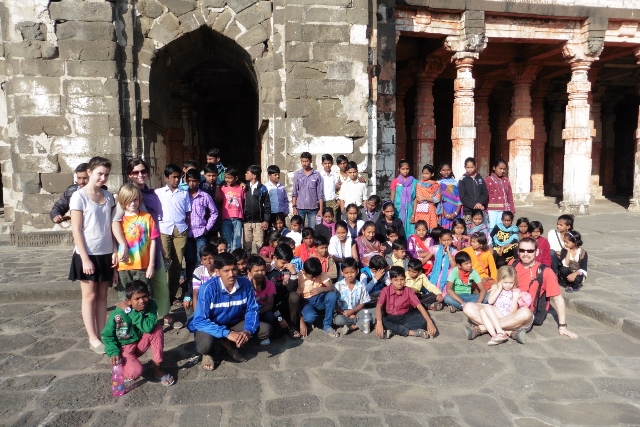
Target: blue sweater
[(218, 309)]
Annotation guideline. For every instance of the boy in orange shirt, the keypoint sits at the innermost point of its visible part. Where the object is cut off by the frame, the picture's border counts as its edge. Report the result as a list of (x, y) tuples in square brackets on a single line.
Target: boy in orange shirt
[(317, 293)]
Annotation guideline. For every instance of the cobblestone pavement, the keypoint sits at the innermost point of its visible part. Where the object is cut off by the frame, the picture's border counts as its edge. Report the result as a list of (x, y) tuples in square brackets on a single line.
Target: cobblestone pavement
[(49, 377)]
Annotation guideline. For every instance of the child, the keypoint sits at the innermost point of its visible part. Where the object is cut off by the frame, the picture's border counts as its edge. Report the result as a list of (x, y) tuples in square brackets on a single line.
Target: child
[(186, 167), (327, 227), (317, 293), (505, 239), (418, 246), (294, 233), (396, 301), (279, 224), (140, 231), (386, 220), (94, 254), (451, 205), (366, 244), (403, 191), (375, 276), (352, 191), (371, 210), (460, 282), (482, 259), (500, 193), (460, 237), (478, 224), (287, 301), (524, 228), (232, 208), (392, 236), (429, 295), (220, 243), (473, 191), (426, 205), (131, 329), (556, 239), (398, 257), (322, 253), (277, 194), (241, 257), (307, 248), (502, 301), (201, 275), (330, 181), (272, 241), (213, 156), (340, 245), (210, 186), (353, 223), (352, 296), (443, 259), (573, 267), (265, 292), (257, 210), (296, 261), (544, 249)]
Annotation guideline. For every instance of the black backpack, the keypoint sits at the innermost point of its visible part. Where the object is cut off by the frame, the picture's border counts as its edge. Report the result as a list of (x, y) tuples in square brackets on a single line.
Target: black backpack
[(539, 299)]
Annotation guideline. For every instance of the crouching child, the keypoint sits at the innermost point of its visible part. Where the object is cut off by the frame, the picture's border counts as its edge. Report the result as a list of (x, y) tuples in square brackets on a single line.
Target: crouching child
[(352, 296)]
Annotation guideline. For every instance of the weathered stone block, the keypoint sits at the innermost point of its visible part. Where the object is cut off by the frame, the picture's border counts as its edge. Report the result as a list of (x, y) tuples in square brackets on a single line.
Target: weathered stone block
[(256, 51), (307, 70), (32, 49), (222, 21), (293, 31), (84, 88), (56, 182), (5, 152), (38, 105), (150, 8), (329, 88), (193, 20), (91, 105), (325, 33), (298, 51), (254, 15), (85, 31), (28, 183), (239, 5), (90, 125), (92, 69), (38, 203), (296, 88), (36, 85), (170, 21), (343, 3), (81, 11), (179, 7), (161, 33), (214, 3), (342, 70), (52, 126), (253, 36), (40, 67), (325, 14), (87, 50), (333, 52), (33, 163), (293, 14), (32, 30), (91, 146), (321, 127), (232, 30)]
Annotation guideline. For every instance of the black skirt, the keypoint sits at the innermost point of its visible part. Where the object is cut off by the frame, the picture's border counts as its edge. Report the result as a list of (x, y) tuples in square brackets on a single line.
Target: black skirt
[(103, 272)]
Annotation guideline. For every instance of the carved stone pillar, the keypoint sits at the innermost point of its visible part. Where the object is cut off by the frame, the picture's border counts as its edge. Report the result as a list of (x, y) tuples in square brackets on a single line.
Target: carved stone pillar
[(483, 128), (424, 127), (596, 145), (539, 142), (521, 133), (577, 132), (401, 124)]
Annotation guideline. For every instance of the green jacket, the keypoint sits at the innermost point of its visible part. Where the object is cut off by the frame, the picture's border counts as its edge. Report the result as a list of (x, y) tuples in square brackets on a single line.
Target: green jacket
[(126, 328)]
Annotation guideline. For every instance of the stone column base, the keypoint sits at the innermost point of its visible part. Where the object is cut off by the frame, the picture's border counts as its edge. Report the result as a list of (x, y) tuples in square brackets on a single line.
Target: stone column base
[(523, 199), (634, 205), (576, 207), (596, 190)]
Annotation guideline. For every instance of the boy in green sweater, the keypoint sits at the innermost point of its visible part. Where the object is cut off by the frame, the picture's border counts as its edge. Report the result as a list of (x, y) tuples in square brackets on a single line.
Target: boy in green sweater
[(131, 329)]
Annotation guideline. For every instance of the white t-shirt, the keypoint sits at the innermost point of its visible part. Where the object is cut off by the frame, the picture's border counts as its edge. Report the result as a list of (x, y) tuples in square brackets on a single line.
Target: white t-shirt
[(329, 182), (353, 192), (96, 221), (555, 241)]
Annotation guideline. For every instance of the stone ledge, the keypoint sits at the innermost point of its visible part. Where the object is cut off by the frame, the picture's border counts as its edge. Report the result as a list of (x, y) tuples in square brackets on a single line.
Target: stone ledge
[(41, 239)]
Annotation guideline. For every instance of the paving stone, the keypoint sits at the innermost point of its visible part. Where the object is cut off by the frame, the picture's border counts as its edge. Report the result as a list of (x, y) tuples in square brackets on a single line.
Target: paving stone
[(70, 419), (595, 413), (305, 355), (301, 404), (289, 381), (201, 416), (407, 372), (109, 419), (28, 382), (395, 420), (20, 310), (50, 346), (31, 418), (14, 342), (148, 394), (29, 322), (222, 390), (357, 421), (623, 387), (481, 411), (317, 422), (79, 391), (532, 368), (12, 403), (531, 422), (571, 366), (154, 418), (405, 398), (15, 365), (344, 380), (443, 421), (348, 402), (611, 346), (565, 389)]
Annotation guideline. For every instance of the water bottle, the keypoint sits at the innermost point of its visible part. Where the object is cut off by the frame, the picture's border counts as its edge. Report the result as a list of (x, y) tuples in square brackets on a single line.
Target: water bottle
[(366, 322), (117, 380)]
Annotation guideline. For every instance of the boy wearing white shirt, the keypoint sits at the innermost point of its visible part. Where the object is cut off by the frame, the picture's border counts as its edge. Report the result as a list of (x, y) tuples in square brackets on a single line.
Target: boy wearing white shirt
[(330, 181), (352, 190)]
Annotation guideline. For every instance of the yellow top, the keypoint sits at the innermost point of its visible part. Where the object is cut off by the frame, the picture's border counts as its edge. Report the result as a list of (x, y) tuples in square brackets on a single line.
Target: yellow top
[(419, 282)]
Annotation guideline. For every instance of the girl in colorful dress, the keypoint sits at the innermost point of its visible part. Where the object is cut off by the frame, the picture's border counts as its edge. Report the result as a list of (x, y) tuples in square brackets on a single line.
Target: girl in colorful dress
[(478, 223), (418, 246), (426, 205), (500, 194), (366, 244), (403, 191), (460, 236), (443, 259), (482, 260), (451, 205), (505, 239), (503, 301)]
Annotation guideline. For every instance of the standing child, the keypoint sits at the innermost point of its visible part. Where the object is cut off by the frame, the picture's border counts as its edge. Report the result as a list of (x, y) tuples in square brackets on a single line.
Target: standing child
[(141, 233), (353, 223), (352, 296), (451, 205), (505, 239), (418, 246), (398, 256), (371, 209), (366, 244), (265, 292), (443, 259), (352, 191), (330, 181), (429, 295), (502, 301), (232, 208), (277, 194), (556, 239), (396, 301), (473, 191), (426, 205), (307, 247), (386, 220), (403, 191), (340, 245), (213, 156), (482, 259), (478, 224), (295, 231), (307, 196), (95, 255), (573, 269), (317, 293), (212, 188), (322, 253), (544, 249), (460, 236), (257, 211), (500, 194), (131, 329), (327, 227), (460, 284), (272, 241), (201, 275)]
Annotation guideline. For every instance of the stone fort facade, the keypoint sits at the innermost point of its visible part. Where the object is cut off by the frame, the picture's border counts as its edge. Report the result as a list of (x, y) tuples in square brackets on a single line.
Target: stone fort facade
[(550, 86)]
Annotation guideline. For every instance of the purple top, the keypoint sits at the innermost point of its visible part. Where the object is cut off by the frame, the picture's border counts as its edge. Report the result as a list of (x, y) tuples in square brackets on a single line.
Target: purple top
[(202, 201), (307, 190)]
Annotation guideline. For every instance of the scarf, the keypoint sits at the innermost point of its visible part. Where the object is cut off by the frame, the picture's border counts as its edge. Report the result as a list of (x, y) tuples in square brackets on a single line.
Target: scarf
[(431, 187), (505, 236), (370, 215), (464, 276), (438, 275), (405, 197), (306, 252), (481, 228), (331, 226), (367, 249), (152, 203)]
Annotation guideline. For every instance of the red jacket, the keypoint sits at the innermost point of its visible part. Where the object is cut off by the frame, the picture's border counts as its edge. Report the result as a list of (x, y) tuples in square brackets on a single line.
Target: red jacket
[(500, 194)]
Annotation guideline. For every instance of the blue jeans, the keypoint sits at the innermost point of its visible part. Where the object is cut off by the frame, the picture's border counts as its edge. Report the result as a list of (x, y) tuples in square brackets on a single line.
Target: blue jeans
[(448, 299), (494, 218), (325, 301), (232, 232), (192, 255), (308, 217)]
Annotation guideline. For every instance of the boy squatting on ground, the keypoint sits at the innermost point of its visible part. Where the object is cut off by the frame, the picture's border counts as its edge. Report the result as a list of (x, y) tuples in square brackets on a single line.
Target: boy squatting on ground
[(131, 329), (352, 296)]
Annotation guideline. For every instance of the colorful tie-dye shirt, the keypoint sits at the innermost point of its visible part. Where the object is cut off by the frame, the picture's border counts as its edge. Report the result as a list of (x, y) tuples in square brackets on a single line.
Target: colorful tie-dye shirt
[(139, 230)]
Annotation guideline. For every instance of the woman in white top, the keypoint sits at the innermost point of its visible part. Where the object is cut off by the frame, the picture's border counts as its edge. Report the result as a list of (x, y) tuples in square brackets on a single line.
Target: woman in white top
[(95, 255)]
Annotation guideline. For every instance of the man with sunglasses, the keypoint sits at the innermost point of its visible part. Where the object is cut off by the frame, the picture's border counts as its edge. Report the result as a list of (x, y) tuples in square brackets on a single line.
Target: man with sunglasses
[(521, 322)]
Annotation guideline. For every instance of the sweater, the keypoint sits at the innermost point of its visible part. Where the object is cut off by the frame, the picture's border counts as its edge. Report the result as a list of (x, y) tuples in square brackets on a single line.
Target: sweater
[(500, 193), (218, 309), (472, 191), (127, 328), (257, 206)]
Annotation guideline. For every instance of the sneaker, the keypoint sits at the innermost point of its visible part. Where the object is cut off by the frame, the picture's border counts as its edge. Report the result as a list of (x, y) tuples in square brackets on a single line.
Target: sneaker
[(472, 331), (344, 330), (265, 341), (388, 334), (520, 335)]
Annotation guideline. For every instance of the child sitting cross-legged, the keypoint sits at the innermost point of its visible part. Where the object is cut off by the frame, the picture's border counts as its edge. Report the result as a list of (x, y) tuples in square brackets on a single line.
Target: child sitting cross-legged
[(317, 293), (131, 329), (352, 296), (265, 292), (429, 295), (394, 314), (460, 283), (204, 272), (398, 256)]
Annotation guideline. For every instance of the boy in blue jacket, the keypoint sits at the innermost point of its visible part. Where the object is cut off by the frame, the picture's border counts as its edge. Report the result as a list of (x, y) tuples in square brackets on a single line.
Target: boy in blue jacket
[(227, 314)]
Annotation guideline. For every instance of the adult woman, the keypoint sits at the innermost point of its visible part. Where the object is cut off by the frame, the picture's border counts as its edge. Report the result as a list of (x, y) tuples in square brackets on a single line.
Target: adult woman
[(500, 194)]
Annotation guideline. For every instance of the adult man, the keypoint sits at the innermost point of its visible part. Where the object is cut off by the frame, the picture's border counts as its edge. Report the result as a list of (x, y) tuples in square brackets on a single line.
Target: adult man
[(521, 322), (61, 207), (308, 193), (227, 314)]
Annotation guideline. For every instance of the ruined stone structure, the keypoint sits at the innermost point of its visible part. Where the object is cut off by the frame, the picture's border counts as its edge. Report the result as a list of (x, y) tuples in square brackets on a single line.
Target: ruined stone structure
[(550, 86)]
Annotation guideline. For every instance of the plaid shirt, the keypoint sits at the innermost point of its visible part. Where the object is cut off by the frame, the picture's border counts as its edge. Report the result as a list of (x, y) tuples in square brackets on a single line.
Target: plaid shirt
[(199, 223)]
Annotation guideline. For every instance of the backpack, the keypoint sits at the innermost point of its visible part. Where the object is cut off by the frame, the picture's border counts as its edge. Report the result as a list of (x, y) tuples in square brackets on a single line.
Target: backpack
[(539, 299)]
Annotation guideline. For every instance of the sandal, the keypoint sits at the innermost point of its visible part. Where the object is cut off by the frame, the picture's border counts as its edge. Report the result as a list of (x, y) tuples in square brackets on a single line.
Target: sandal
[(293, 334), (236, 356), (332, 332), (207, 363), (498, 339), (453, 309), (167, 380), (437, 306), (421, 333)]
